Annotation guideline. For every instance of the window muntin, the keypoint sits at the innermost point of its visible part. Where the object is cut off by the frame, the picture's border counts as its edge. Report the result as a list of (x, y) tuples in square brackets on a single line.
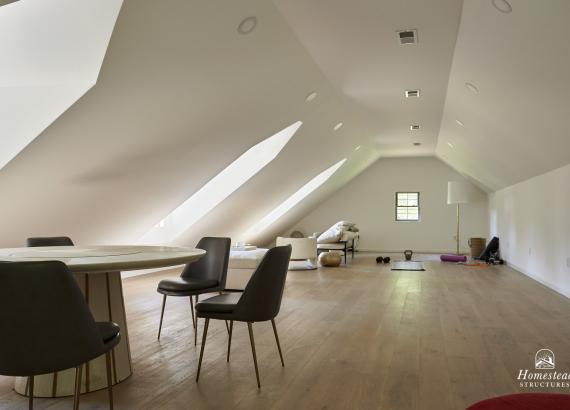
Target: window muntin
[(407, 206)]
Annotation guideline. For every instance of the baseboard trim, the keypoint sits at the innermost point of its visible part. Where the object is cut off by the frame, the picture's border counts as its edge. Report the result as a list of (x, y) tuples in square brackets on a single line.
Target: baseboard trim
[(540, 280)]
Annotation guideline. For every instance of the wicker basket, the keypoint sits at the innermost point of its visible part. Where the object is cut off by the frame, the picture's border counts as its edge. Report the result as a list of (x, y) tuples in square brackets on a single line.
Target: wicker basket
[(477, 246)]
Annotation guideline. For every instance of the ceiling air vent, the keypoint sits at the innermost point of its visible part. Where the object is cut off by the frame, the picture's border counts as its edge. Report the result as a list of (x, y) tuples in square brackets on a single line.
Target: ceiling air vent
[(408, 37), (412, 93), (414, 127)]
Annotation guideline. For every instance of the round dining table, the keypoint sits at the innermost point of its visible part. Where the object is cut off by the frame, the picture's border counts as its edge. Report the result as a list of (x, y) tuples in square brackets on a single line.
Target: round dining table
[(98, 273)]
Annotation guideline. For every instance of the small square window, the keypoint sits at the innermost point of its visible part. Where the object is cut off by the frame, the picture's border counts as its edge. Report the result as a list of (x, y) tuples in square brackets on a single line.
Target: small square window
[(407, 206)]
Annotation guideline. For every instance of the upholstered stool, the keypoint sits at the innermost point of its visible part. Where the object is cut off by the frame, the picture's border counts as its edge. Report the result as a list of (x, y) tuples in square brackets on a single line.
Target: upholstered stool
[(330, 259)]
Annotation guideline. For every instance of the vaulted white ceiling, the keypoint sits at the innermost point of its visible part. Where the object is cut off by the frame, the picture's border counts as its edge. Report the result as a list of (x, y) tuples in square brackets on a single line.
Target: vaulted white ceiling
[(181, 95)]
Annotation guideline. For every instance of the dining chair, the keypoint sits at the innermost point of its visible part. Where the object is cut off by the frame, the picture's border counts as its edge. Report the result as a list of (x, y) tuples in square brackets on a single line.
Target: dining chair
[(47, 325), (206, 275), (259, 302), (50, 241)]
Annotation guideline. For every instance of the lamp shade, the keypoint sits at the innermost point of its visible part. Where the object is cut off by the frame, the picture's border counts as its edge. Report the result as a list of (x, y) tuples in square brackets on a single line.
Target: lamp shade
[(459, 192)]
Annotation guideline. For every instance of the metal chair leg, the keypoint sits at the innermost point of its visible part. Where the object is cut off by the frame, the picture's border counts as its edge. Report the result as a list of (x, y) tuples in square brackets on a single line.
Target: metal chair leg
[(230, 339), (77, 391), (192, 309), (161, 315), (202, 348), (196, 326), (31, 392), (277, 340), (109, 379), (249, 327)]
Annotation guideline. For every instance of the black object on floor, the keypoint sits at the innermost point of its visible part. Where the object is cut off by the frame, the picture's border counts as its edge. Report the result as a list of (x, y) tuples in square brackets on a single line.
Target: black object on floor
[(408, 254), (387, 259), (492, 248), (380, 259), (408, 265)]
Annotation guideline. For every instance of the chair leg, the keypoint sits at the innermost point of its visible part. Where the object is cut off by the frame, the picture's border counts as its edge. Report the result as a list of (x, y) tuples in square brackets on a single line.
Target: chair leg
[(161, 315), (277, 340), (31, 392), (227, 327), (230, 339), (196, 326), (202, 348), (249, 327), (77, 391), (192, 309), (109, 379)]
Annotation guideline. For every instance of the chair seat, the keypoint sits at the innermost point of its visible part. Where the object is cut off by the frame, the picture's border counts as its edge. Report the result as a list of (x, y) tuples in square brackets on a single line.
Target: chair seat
[(225, 303), (108, 330), (185, 285)]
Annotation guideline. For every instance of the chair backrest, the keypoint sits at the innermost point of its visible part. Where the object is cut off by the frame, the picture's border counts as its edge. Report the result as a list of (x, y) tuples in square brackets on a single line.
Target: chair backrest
[(45, 321), (301, 248), (213, 265), (261, 298), (50, 241)]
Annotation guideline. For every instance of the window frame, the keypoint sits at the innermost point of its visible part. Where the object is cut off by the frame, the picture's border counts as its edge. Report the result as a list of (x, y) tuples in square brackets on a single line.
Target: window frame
[(396, 206)]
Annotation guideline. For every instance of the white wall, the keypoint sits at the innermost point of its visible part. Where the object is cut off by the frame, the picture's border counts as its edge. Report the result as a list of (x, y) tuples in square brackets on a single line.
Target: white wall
[(531, 220), (369, 200)]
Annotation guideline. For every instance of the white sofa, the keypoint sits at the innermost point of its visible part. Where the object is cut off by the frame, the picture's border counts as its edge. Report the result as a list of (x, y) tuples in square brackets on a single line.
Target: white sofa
[(241, 266)]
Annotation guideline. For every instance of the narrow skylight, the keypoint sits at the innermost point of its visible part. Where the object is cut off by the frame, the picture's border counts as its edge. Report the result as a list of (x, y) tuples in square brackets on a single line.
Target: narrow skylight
[(220, 187), (293, 200)]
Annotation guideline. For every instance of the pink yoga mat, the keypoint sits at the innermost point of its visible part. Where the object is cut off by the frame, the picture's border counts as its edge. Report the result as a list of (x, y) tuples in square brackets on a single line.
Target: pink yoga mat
[(453, 258)]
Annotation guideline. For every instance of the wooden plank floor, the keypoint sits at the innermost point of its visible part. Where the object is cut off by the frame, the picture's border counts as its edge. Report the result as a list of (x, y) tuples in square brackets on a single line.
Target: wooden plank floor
[(354, 337)]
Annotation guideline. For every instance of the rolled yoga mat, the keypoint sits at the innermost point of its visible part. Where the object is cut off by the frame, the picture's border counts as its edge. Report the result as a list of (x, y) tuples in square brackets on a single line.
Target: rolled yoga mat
[(453, 258)]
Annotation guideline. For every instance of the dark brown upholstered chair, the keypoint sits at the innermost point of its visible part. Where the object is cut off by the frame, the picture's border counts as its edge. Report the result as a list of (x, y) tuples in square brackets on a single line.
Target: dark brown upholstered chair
[(50, 241), (259, 302), (47, 325), (208, 274)]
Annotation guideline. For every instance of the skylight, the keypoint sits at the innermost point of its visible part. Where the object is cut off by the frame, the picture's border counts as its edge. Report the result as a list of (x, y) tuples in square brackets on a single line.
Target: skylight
[(52, 52), (220, 187), (293, 200)]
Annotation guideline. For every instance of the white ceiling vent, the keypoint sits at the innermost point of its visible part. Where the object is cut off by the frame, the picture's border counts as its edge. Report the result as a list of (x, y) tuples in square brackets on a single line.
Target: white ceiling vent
[(412, 93), (414, 127), (408, 37)]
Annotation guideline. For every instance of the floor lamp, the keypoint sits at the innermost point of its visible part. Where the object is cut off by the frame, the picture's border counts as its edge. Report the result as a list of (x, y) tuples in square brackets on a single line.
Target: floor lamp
[(458, 193)]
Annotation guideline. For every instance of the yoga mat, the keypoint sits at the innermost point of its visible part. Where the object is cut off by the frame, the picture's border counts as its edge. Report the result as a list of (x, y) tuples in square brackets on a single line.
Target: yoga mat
[(408, 265)]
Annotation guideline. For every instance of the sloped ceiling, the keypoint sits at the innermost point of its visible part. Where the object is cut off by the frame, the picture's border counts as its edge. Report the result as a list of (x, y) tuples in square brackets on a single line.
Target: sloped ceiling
[(515, 126), (181, 95)]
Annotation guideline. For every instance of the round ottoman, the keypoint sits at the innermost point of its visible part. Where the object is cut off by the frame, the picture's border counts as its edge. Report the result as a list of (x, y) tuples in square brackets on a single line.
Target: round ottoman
[(330, 259), (525, 401)]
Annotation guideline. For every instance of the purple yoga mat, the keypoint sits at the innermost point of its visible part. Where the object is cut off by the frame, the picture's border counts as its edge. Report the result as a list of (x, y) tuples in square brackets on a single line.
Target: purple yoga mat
[(453, 258)]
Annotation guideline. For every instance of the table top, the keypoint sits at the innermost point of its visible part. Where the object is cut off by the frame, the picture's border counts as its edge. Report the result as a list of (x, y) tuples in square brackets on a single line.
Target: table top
[(88, 259)]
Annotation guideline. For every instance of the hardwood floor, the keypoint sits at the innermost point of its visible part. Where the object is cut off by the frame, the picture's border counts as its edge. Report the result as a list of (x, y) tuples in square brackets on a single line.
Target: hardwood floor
[(354, 337)]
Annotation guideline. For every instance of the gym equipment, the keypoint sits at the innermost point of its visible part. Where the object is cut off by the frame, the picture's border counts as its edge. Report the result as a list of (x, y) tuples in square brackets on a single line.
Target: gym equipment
[(406, 265), (492, 247), (387, 259), (379, 259), (408, 254), (453, 258)]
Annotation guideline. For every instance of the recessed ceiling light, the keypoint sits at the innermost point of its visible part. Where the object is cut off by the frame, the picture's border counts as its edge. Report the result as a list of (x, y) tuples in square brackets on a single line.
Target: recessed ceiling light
[(472, 88), (311, 96), (502, 5), (357, 148), (412, 93), (414, 127), (460, 123), (417, 144), (338, 126), (247, 25), (449, 144)]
